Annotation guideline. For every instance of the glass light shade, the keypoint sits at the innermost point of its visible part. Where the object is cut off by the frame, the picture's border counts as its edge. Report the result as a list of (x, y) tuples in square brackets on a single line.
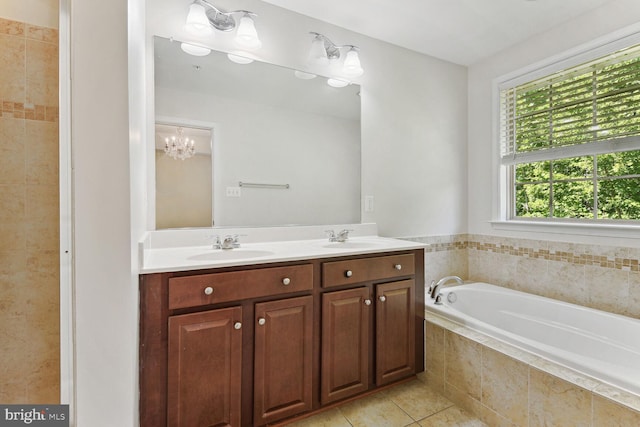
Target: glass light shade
[(352, 67), (337, 83), (239, 59), (194, 50), (304, 76), (197, 21), (317, 53), (246, 35)]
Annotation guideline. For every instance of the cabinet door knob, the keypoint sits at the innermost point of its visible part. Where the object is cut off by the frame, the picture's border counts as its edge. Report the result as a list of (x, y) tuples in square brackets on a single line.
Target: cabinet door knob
[(367, 302), (382, 298), (208, 290), (237, 325), (261, 321), (286, 281), (348, 273), (398, 266)]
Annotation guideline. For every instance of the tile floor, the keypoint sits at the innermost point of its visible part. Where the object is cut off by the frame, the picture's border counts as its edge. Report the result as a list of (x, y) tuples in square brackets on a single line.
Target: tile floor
[(412, 404)]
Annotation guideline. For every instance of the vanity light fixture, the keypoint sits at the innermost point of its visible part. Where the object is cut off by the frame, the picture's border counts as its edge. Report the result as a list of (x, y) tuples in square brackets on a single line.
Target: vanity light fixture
[(180, 147), (325, 52), (203, 16), (337, 83)]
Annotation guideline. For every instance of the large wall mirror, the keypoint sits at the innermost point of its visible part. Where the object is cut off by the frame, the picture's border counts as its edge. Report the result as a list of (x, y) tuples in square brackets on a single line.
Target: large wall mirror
[(285, 149)]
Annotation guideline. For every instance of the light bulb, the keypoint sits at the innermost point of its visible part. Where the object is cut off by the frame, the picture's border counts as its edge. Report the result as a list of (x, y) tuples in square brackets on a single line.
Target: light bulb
[(246, 35), (352, 67), (239, 59), (304, 76), (317, 53), (337, 82), (197, 21), (194, 50)]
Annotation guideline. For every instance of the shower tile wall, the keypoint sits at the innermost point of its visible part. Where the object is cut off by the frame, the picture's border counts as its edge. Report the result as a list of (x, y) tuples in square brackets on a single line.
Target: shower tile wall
[(602, 277), (29, 214)]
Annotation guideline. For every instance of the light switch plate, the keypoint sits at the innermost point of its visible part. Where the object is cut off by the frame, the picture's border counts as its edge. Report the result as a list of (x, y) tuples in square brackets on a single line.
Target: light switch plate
[(234, 192)]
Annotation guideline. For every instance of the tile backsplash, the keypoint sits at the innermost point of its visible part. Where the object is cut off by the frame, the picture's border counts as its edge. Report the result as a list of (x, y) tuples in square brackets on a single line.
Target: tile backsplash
[(597, 276)]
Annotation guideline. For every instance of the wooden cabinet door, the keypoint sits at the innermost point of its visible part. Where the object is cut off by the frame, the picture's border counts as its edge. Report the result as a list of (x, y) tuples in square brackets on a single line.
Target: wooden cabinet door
[(345, 343), (204, 364), (283, 358), (395, 327)]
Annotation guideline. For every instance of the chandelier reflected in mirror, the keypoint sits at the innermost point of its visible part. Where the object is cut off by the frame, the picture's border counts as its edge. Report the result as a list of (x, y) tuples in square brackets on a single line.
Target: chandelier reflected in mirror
[(180, 146)]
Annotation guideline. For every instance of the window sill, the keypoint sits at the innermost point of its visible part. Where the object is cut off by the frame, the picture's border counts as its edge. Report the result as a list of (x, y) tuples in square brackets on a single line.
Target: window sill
[(629, 231)]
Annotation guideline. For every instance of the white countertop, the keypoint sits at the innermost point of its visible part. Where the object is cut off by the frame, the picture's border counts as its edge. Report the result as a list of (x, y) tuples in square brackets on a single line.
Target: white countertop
[(183, 258)]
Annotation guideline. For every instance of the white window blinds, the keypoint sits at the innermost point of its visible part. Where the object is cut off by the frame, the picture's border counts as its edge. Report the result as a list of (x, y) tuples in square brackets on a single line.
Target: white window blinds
[(593, 108)]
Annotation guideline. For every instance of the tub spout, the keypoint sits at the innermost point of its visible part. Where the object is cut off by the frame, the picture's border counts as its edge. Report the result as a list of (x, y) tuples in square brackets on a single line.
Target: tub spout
[(436, 289)]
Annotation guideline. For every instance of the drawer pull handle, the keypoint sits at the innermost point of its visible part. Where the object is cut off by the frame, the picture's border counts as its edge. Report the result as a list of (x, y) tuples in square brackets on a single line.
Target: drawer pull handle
[(398, 267), (286, 281), (261, 321), (208, 290), (367, 302), (237, 325), (382, 298), (348, 273)]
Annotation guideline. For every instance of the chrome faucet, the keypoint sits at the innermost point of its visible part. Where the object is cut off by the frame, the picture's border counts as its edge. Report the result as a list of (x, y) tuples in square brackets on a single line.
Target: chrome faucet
[(342, 236), (435, 289), (229, 242)]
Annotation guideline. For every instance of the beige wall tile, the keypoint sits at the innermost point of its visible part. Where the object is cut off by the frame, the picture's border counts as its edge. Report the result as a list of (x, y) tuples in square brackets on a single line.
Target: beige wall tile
[(566, 283), (555, 402), (12, 151), (530, 273), (505, 386), (434, 356), (29, 216), (608, 288), (609, 414), (42, 203), (42, 73), (463, 364), (12, 60), (494, 419), (41, 142), (13, 202), (633, 307)]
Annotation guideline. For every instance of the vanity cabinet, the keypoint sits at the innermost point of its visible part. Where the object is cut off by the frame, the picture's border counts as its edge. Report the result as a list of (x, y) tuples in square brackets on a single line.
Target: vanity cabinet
[(349, 316), (346, 325), (283, 362), (255, 345), (204, 368)]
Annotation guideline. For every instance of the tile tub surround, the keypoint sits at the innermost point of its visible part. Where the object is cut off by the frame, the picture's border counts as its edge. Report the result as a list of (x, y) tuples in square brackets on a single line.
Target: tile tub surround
[(29, 214), (568, 272), (504, 385)]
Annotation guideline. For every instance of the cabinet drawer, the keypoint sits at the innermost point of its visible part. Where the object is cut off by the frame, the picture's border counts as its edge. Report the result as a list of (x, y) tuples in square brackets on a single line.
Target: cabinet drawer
[(361, 270), (191, 291)]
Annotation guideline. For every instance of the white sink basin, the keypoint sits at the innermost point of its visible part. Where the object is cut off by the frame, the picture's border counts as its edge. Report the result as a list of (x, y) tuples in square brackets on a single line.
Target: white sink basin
[(229, 254)]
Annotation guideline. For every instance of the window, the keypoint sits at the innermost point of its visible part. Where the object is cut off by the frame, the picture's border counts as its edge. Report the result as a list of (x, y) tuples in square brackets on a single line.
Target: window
[(570, 142)]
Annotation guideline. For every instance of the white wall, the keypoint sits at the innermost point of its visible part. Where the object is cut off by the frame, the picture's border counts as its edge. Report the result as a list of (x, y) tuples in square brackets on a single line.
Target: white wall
[(413, 115), (36, 12), (481, 152), (104, 260)]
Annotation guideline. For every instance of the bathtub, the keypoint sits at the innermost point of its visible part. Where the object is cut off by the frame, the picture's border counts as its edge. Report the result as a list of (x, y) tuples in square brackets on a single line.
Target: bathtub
[(602, 345)]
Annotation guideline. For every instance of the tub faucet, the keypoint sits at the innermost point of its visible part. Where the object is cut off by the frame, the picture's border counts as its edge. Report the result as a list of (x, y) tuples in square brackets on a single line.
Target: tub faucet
[(436, 289)]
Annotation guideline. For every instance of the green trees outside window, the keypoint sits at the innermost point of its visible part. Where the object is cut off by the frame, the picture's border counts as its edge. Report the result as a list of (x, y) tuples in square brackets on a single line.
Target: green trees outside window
[(571, 141)]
